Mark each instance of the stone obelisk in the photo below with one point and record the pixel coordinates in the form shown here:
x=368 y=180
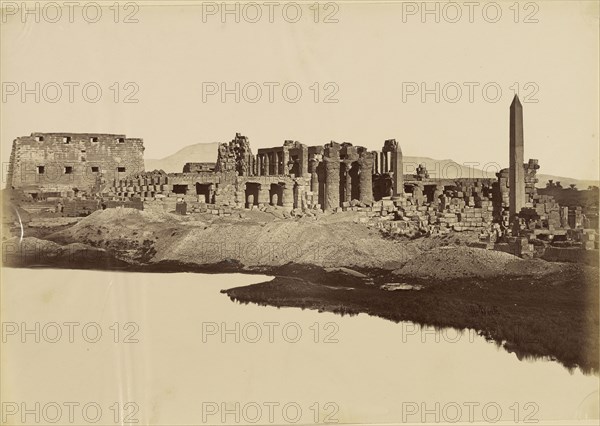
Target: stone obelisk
x=398 y=166
x=516 y=179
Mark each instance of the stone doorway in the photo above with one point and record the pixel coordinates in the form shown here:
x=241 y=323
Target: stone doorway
x=251 y=194
x=276 y=195
x=204 y=189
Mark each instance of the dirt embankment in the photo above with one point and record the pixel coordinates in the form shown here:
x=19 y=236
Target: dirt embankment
x=256 y=240
x=451 y=262
x=262 y=240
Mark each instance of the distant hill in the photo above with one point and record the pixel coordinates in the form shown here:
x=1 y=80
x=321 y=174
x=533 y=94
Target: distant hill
x=446 y=169
x=565 y=181
x=450 y=169
x=197 y=153
x=207 y=152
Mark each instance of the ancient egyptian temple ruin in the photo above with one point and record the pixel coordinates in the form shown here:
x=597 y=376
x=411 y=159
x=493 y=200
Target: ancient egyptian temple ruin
x=297 y=176
x=86 y=172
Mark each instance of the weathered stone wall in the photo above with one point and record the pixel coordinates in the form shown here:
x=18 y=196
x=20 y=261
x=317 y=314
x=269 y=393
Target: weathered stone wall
x=236 y=156
x=60 y=162
x=218 y=189
x=540 y=210
x=586 y=200
x=78 y=208
x=298 y=158
x=198 y=167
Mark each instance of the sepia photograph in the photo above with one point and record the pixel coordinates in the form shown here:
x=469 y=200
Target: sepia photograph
x=365 y=212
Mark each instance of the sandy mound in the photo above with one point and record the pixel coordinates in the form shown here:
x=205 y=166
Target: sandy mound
x=280 y=242
x=129 y=215
x=50 y=222
x=117 y=224
x=459 y=262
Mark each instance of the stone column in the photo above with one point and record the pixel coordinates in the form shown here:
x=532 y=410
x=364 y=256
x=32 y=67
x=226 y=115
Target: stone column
x=283 y=167
x=375 y=156
x=516 y=184
x=298 y=192
x=348 y=182
x=288 y=196
x=273 y=163
x=365 y=176
x=263 y=195
x=503 y=197
x=267 y=164
x=314 y=178
x=280 y=165
x=240 y=195
x=211 y=193
x=332 y=176
x=304 y=161
x=564 y=217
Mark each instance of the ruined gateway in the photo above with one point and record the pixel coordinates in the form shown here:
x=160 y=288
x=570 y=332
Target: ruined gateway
x=87 y=172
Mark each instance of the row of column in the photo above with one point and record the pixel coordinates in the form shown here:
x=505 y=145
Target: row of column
x=271 y=163
x=331 y=187
x=382 y=162
x=264 y=196
x=331 y=197
x=332 y=176
x=390 y=162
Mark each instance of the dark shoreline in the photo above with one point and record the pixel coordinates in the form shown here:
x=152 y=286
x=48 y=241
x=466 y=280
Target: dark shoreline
x=505 y=310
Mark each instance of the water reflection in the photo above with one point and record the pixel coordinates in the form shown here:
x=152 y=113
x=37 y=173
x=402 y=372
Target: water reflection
x=197 y=350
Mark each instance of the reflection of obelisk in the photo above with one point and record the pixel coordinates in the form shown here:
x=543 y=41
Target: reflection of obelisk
x=516 y=180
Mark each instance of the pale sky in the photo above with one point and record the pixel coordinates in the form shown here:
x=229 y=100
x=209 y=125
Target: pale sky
x=370 y=55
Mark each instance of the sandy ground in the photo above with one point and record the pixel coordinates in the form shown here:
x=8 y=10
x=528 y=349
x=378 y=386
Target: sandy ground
x=458 y=262
x=262 y=239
